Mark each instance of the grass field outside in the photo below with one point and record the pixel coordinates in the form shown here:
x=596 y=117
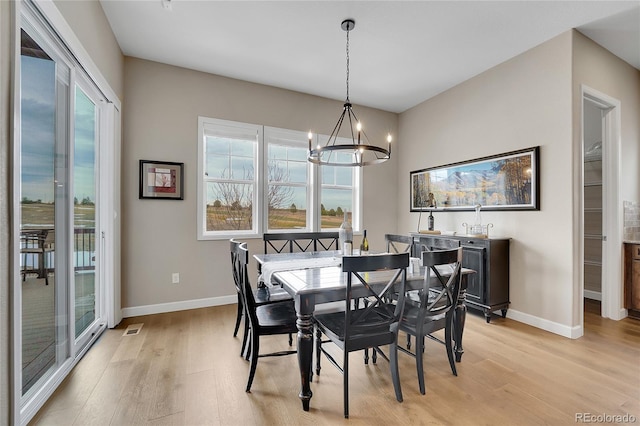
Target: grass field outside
x=222 y=219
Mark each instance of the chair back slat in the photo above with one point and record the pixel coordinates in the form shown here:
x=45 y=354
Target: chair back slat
x=422 y=244
x=240 y=260
x=377 y=312
x=440 y=301
x=399 y=243
x=283 y=242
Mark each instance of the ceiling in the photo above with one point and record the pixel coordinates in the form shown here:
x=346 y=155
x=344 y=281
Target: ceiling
x=401 y=52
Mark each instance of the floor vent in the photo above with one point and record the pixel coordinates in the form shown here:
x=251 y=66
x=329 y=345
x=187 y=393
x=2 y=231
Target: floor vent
x=133 y=329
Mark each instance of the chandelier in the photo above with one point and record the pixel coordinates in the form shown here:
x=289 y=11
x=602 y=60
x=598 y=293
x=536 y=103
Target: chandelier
x=359 y=152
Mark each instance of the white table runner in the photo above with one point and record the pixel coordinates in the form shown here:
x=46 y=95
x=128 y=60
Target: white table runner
x=269 y=268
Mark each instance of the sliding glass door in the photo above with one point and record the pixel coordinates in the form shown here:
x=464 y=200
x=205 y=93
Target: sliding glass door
x=86 y=245
x=59 y=294
x=43 y=112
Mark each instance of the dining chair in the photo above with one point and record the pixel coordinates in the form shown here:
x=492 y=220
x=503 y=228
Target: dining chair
x=362 y=326
x=261 y=296
x=264 y=320
x=398 y=243
x=425 y=243
x=435 y=307
x=290 y=242
x=422 y=244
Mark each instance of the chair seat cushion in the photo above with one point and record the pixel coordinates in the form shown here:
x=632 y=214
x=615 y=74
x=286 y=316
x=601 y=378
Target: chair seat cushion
x=371 y=332
x=264 y=295
x=408 y=324
x=278 y=318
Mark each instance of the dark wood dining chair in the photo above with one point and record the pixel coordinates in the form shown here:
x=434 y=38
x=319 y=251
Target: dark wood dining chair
x=362 y=326
x=435 y=307
x=269 y=319
x=422 y=244
x=261 y=296
x=425 y=243
x=291 y=242
x=398 y=243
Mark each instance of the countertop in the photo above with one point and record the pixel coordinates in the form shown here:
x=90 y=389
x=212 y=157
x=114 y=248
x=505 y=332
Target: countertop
x=631 y=241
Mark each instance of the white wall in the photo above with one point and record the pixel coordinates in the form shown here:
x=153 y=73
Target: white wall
x=162 y=105
x=520 y=103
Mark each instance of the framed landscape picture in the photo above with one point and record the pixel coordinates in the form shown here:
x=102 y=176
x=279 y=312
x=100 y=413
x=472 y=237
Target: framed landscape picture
x=161 y=180
x=507 y=181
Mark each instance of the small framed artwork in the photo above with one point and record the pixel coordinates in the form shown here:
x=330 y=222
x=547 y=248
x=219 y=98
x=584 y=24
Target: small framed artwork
x=161 y=180
x=508 y=181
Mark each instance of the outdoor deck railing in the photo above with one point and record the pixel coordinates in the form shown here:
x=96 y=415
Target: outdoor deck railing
x=84 y=252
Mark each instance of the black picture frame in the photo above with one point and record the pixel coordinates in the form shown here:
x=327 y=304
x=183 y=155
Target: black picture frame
x=161 y=180
x=509 y=181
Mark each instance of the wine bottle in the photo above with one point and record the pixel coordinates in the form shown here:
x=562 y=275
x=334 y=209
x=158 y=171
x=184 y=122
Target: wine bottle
x=345 y=236
x=364 y=246
x=431 y=221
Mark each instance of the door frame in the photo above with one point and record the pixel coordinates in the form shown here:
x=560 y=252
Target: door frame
x=22 y=411
x=611 y=289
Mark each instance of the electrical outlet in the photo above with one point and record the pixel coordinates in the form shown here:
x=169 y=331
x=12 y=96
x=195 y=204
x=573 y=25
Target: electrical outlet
x=175 y=278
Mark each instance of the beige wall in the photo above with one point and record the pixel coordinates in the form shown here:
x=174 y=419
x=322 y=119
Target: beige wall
x=532 y=99
x=520 y=103
x=91 y=27
x=160 y=123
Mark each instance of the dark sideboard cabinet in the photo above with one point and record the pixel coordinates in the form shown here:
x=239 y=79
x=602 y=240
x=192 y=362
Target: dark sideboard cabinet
x=632 y=279
x=488 y=288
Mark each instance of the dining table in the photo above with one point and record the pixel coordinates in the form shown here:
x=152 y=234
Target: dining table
x=315 y=278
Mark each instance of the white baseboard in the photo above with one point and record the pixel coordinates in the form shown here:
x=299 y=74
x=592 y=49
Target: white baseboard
x=593 y=295
x=541 y=323
x=183 y=305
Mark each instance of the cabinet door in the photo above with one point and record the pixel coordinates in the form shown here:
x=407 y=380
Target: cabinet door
x=473 y=258
x=635 y=285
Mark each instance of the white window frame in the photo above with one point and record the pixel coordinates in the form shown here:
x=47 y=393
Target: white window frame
x=356 y=194
x=209 y=126
x=266 y=135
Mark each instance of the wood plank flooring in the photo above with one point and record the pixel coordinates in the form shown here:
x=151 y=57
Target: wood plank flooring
x=184 y=368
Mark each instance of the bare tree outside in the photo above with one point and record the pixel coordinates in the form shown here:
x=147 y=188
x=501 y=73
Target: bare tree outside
x=233 y=205
x=280 y=199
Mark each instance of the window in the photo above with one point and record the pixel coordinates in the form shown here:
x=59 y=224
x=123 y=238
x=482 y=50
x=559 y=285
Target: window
x=338 y=194
x=246 y=169
x=287 y=180
x=229 y=171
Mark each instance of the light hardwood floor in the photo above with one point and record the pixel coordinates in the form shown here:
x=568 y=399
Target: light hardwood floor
x=184 y=368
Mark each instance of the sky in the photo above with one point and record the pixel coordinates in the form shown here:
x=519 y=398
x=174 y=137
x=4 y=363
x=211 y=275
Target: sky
x=38 y=134
x=234 y=158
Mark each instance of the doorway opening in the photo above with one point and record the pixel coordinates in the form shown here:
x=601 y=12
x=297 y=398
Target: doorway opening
x=601 y=284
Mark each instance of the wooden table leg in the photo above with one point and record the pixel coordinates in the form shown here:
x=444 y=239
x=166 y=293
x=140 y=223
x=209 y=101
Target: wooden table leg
x=459 y=320
x=304 y=310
